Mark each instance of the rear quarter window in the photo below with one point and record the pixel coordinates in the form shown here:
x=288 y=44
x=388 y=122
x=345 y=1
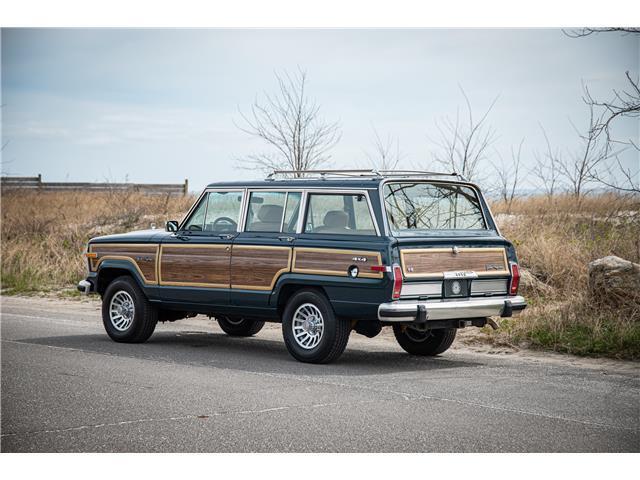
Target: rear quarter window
x=339 y=214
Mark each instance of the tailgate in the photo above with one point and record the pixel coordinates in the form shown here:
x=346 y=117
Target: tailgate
x=433 y=262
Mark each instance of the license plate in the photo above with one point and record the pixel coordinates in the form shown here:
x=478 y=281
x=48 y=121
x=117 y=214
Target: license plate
x=460 y=274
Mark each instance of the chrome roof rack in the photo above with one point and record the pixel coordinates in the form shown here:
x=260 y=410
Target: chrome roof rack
x=366 y=173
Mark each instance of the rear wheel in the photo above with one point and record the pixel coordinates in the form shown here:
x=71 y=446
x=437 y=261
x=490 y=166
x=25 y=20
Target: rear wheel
x=127 y=314
x=422 y=341
x=311 y=330
x=239 y=327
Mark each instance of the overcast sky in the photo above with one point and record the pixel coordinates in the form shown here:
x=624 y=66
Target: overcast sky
x=159 y=105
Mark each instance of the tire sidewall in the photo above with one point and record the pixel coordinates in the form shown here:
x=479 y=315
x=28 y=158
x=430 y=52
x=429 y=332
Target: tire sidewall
x=127 y=285
x=244 y=327
x=439 y=341
x=320 y=351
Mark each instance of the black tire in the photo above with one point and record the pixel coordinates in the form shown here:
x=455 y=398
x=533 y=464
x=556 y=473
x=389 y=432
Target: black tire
x=425 y=343
x=239 y=327
x=145 y=315
x=335 y=331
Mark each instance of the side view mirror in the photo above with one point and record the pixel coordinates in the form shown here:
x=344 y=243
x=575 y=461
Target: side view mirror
x=171 y=226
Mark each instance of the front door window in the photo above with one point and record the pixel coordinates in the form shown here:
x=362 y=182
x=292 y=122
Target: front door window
x=223 y=212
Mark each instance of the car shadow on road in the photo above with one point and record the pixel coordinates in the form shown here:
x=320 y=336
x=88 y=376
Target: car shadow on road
x=253 y=354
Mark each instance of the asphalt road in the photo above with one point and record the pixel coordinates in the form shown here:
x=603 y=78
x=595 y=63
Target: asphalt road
x=67 y=387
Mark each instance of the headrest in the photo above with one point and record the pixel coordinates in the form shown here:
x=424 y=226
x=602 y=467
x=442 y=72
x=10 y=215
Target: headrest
x=270 y=213
x=336 y=219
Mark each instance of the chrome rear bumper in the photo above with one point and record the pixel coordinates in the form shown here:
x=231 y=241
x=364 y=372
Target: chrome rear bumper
x=421 y=311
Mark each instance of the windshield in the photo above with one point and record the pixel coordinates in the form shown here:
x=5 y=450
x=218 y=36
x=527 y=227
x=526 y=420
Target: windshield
x=414 y=208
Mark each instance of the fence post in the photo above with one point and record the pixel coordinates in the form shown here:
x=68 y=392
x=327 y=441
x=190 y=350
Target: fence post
x=39 y=181
x=186 y=186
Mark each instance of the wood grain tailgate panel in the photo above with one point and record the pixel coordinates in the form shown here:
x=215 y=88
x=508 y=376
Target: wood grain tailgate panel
x=258 y=267
x=328 y=261
x=143 y=256
x=431 y=262
x=195 y=265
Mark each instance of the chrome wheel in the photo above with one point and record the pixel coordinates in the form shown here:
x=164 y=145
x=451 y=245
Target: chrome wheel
x=121 y=310
x=307 y=326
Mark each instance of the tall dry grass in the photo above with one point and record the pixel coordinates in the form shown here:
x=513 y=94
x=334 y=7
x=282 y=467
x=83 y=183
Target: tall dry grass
x=44 y=233
x=556 y=238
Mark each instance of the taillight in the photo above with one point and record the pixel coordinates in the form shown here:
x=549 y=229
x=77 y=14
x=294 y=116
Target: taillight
x=397 y=282
x=515 y=278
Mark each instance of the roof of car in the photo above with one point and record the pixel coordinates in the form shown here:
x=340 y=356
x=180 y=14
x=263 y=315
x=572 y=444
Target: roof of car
x=359 y=181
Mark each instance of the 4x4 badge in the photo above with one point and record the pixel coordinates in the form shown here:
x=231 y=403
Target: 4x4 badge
x=359 y=259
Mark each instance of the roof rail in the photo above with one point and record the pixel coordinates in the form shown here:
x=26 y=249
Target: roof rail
x=323 y=173
x=364 y=173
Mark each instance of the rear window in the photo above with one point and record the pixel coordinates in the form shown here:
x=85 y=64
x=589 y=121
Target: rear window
x=413 y=208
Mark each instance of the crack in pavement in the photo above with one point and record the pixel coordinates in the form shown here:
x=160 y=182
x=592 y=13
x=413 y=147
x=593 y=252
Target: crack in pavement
x=407 y=396
x=178 y=418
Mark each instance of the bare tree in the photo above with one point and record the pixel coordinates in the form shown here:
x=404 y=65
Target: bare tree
x=578 y=169
x=386 y=153
x=464 y=142
x=624 y=103
x=546 y=168
x=291 y=124
x=508 y=175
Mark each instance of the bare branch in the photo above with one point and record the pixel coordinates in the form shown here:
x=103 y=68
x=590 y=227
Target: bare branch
x=463 y=145
x=585 y=32
x=508 y=175
x=386 y=153
x=290 y=123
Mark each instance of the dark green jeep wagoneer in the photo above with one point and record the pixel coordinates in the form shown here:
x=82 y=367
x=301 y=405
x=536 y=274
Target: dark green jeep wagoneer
x=326 y=254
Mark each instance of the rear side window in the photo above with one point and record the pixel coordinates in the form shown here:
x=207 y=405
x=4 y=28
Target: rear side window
x=339 y=214
x=273 y=212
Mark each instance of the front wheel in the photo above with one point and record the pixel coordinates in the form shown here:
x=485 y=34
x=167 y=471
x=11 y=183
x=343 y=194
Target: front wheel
x=423 y=341
x=239 y=327
x=127 y=314
x=311 y=330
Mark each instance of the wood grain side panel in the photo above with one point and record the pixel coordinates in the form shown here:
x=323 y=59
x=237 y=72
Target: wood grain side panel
x=143 y=256
x=258 y=268
x=432 y=262
x=328 y=261
x=195 y=265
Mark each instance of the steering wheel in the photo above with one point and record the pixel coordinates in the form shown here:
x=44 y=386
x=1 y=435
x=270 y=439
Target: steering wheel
x=227 y=224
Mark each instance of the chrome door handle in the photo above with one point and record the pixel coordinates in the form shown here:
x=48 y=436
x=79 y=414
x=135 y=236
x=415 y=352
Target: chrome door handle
x=286 y=239
x=226 y=236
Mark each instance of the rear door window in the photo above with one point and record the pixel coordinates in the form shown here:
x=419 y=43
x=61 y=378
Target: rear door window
x=273 y=212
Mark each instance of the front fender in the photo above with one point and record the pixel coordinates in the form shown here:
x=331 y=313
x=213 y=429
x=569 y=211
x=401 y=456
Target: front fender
x=108 y=266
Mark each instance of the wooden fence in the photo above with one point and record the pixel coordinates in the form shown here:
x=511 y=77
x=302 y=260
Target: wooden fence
x=36 y=183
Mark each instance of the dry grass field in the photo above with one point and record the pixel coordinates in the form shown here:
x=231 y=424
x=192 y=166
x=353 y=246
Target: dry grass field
x=44 y=235
x=556 y=238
